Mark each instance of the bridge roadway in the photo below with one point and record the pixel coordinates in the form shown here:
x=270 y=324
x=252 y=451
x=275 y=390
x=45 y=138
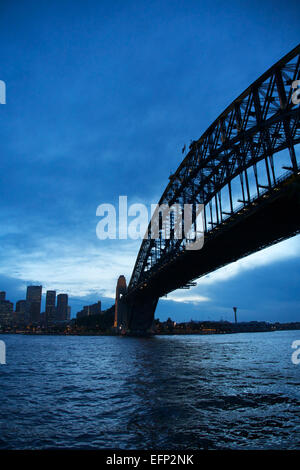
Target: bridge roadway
x=258 y=124
x=273 y=217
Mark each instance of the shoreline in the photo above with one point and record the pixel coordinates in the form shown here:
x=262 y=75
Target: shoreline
x=151 y=335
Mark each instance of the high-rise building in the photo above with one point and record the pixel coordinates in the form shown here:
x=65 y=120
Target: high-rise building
x=88 y=310
x=6 y=312
x=69 y=312
x=21 y=306
x=62 y=307
x=20 y=311
x=2 y=295
x=95 y=309
x=50 y=310
x=33 y=303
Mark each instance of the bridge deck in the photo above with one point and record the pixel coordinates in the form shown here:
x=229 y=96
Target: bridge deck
x=272 y=217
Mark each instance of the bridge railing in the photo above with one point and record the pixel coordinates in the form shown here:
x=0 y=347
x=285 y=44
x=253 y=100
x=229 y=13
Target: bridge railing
x=263 y=192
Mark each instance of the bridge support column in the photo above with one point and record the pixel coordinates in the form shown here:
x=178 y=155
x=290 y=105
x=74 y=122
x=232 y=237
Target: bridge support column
x=134 y=317
x=121 y=311
x=141 y=316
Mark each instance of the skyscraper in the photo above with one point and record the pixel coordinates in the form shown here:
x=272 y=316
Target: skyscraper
x=2 y=295
x=50 y=310
x=6 y=312
x=62 y=307
x=33 y=303
x=20 y=311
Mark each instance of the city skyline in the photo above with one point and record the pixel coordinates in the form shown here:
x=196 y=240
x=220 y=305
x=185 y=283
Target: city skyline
x=29 y=310
x=111 y=115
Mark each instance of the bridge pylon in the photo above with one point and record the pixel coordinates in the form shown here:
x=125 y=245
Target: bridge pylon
x=121 y=319
x=133 y=318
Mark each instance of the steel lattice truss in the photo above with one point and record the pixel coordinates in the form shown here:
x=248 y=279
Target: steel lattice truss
x=260 y=122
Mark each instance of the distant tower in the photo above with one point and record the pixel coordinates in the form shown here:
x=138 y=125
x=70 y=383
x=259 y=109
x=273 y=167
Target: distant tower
x=120 y=309
x=6 y=311
x=20 y=311
x=2 y=295
x=33 y=303
x=50 y=311
x=235 y=318
x=62 y=307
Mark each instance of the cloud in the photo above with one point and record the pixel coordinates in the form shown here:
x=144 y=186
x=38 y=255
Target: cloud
x=203 y=292
x=77 y=268
x=281 y=251
x=82 y=268
x=186 y=298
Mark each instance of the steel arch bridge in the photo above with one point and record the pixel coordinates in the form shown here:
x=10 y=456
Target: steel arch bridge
x=261 y=122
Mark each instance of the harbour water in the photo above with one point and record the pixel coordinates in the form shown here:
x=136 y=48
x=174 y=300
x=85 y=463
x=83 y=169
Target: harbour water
x=238 y=391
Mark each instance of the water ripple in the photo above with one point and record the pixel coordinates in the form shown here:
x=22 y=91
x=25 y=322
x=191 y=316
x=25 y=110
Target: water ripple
x=188 y=392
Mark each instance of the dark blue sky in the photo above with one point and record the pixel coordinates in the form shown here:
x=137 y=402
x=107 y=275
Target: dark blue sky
x=101 y=97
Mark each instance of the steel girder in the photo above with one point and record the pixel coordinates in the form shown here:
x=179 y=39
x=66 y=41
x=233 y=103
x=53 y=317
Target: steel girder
x=262 y=121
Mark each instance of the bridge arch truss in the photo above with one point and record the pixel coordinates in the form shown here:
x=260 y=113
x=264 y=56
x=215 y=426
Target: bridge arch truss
x=261 y=122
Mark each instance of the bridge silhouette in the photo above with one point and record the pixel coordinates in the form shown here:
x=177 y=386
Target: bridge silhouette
x=237 y=154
